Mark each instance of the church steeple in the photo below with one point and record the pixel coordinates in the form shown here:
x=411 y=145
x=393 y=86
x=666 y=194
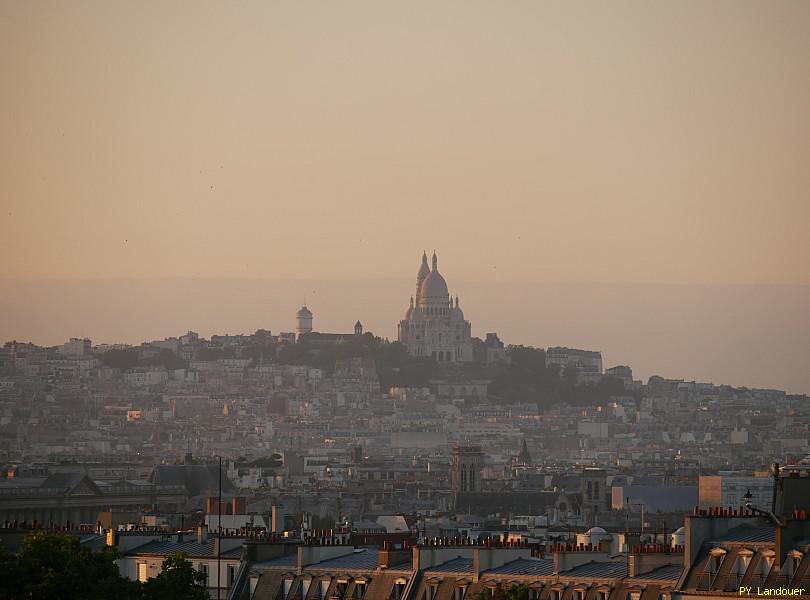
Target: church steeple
x=424 y=271
x=524 y=456
x=435 y=261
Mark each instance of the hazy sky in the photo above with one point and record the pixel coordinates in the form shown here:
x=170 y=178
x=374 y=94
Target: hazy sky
x=527 y=141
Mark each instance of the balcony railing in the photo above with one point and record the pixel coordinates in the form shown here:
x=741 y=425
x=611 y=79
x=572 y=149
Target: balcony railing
x=704 y=583
x=731 y=582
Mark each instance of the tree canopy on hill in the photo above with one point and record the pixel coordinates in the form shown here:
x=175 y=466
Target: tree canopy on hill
x=525 y=379
x=129 y=358
x=395 y=367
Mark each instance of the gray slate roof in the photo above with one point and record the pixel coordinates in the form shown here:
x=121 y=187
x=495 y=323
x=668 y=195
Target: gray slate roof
x=665 y=573
x=606 y=570
x=748 y=534
x=454 y=566
x=365 y=559
x=288 y=561
x=197 y=479
x=526 y=566
x=191 y=547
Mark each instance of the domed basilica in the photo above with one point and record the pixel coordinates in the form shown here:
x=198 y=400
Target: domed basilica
x=434 y=323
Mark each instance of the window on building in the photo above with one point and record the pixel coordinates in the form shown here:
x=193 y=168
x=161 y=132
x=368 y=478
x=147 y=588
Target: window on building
x=359 y=590
x=398 y=589
x=712 y=568
x=142 y=572
x=741 y=566
x=231 y=574
x=789 y=568
x=794 y=563
x=633 y=595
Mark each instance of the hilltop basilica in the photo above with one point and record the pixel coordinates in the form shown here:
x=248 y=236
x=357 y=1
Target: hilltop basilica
x=434 y=323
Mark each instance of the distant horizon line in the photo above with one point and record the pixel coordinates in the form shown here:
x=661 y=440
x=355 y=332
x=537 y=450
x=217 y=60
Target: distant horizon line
x=542 y=348
x=398 y=279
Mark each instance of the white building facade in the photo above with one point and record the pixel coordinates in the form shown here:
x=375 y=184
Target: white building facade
x=434 y=323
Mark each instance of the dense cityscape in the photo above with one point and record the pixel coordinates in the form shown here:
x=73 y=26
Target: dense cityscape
x=347 y=440
x=384 y=300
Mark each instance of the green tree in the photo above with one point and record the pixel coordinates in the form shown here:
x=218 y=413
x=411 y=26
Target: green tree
x=124 y=359
x=517 y=592
x=166 y=358
x=206 y=354
x=178 y=580
x=55 y=566
x=512 y=592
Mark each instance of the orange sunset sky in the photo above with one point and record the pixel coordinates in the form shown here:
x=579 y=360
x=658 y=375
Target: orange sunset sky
x=655 y=154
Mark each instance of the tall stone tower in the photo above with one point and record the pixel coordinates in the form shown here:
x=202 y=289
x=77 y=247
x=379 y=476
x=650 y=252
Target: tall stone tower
x=595 y=496
x=303 y=321
x=468 y=462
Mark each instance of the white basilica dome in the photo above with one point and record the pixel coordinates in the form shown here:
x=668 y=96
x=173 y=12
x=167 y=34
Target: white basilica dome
x=434 y=287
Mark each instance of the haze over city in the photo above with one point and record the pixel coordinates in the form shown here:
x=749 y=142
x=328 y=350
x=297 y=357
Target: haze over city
x=647 y=151
x=376 y=300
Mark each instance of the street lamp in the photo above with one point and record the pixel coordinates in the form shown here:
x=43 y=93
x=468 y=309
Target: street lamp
x=219 y=531
x=748 y=499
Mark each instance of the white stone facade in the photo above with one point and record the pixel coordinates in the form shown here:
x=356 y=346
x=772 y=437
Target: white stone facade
x=434 y=324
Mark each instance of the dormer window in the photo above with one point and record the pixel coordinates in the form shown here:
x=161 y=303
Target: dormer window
x=398 y=588
x=766 y=564
x=792 y=562
x=305 y=587
x=711 y=568
x=715 y=560
x=740 y=568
